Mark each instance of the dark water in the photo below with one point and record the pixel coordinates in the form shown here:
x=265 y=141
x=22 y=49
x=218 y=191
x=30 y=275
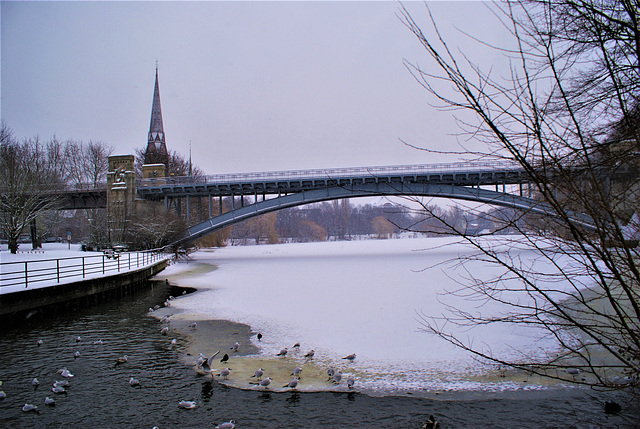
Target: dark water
x=100 y=396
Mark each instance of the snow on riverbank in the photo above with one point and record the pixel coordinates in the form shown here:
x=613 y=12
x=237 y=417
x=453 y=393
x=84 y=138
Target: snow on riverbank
x=359 y=297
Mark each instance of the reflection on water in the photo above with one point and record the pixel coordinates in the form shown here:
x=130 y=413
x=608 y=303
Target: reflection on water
x=99 y=394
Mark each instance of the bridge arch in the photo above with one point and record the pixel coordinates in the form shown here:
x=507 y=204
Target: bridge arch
x=475 y=194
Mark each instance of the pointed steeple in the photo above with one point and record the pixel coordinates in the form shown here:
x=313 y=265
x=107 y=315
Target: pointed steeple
x=156 y=152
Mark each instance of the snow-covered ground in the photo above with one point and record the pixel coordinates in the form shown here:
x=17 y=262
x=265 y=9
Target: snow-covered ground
x=362 y=297
x=44 y=264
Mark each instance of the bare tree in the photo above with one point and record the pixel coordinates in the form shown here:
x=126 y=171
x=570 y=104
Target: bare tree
x=566 y=113
x=27 y=182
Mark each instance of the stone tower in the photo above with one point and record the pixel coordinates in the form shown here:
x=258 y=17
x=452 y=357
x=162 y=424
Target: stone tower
x=156 y=152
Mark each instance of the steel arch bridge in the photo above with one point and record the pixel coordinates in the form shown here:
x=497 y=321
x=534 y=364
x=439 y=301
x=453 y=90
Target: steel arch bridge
x=463 y=181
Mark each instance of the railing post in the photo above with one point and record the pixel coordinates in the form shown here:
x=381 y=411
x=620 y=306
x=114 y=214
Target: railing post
x=129 y=256
x=83 y=267
x=118 y=264
x=58 y=269
x=26 y=276
x=103 y=263
x=138 y=259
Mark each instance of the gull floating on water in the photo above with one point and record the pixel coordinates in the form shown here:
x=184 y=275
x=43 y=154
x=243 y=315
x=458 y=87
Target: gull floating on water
x=39 y=343
x=35 y=382
x=29 y=407
x=78 y=339
x=174 y=342
x=98 y=342
x=165 y=330
x=76 y=354
x=431 y=423
x=122 y=359
x=350 y=357
x=2 y=394
x=231 y=424
x=65 y=373
x=133 y=382
x=62 y=383
x=58 y=389
x=310 y=354
x=50 y=402
x=187 y=405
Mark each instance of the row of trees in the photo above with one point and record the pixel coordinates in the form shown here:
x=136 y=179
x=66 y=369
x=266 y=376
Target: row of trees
x=31 y=171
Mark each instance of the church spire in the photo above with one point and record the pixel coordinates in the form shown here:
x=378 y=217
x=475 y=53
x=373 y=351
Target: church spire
x=156 y=152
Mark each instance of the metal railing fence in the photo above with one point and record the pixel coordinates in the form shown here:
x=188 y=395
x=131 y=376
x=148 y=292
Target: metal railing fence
x=28 y=273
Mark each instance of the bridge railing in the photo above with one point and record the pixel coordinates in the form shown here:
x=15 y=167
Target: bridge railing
x=336 y=173
x=54 y=271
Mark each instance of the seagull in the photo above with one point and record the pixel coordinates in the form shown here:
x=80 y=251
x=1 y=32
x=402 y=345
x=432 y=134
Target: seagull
x=310 y=354
x=265 y=382
x=296 y=372
x=76 y=354
x=165 y=330
x=258 y=374
x=502 y=370
x=573 y=372
x=98 y=342
x=350 y=357
x=2 y=394
x=351 y=381
x=292 y=384
x=431 y=423
x=283 y=352
x=35 y=383
x=155 y=307
x=330 y=372
x=337 y=377
x=50 y=402
x=29 y=407
x=235 y=346
x=206 y=365
x=225 y=373
x=165 y=319
x=78 y=339
x=39 y=343
x=62 y=383
x=259 y=336
x=224 y=358
x=174 y=342
x=65 y=373
x=133 y=382
x=187 y=405
x=122 y=359
x=194 y=325
x=58 y=389
x=296 y=346
x=231 y=424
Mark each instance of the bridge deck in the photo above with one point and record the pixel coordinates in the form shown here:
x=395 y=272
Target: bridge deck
x=461 y=174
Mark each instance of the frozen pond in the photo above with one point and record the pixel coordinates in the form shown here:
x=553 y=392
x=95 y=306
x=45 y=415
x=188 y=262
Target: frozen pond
x=360 y=297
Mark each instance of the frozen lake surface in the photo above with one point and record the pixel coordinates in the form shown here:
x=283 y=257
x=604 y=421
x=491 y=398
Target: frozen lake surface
x=362 y=297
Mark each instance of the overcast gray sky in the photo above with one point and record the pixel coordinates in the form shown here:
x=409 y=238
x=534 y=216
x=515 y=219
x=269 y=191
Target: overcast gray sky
x=254 y=86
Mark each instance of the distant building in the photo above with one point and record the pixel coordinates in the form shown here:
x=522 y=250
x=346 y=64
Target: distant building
x=156 y=152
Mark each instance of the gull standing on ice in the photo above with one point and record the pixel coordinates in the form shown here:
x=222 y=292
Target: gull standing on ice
x=258 y=374
x=351 y=381
x=296 y=346
x=265 y=382
x=225 y=373
x=292 y=384
x=296 y=372
x=283 y=352
x=194 y=325
x=310 y=354
x=350 y=357
x=224 y=358
x=235 y=346
x=337 y=377
x=330 y=372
